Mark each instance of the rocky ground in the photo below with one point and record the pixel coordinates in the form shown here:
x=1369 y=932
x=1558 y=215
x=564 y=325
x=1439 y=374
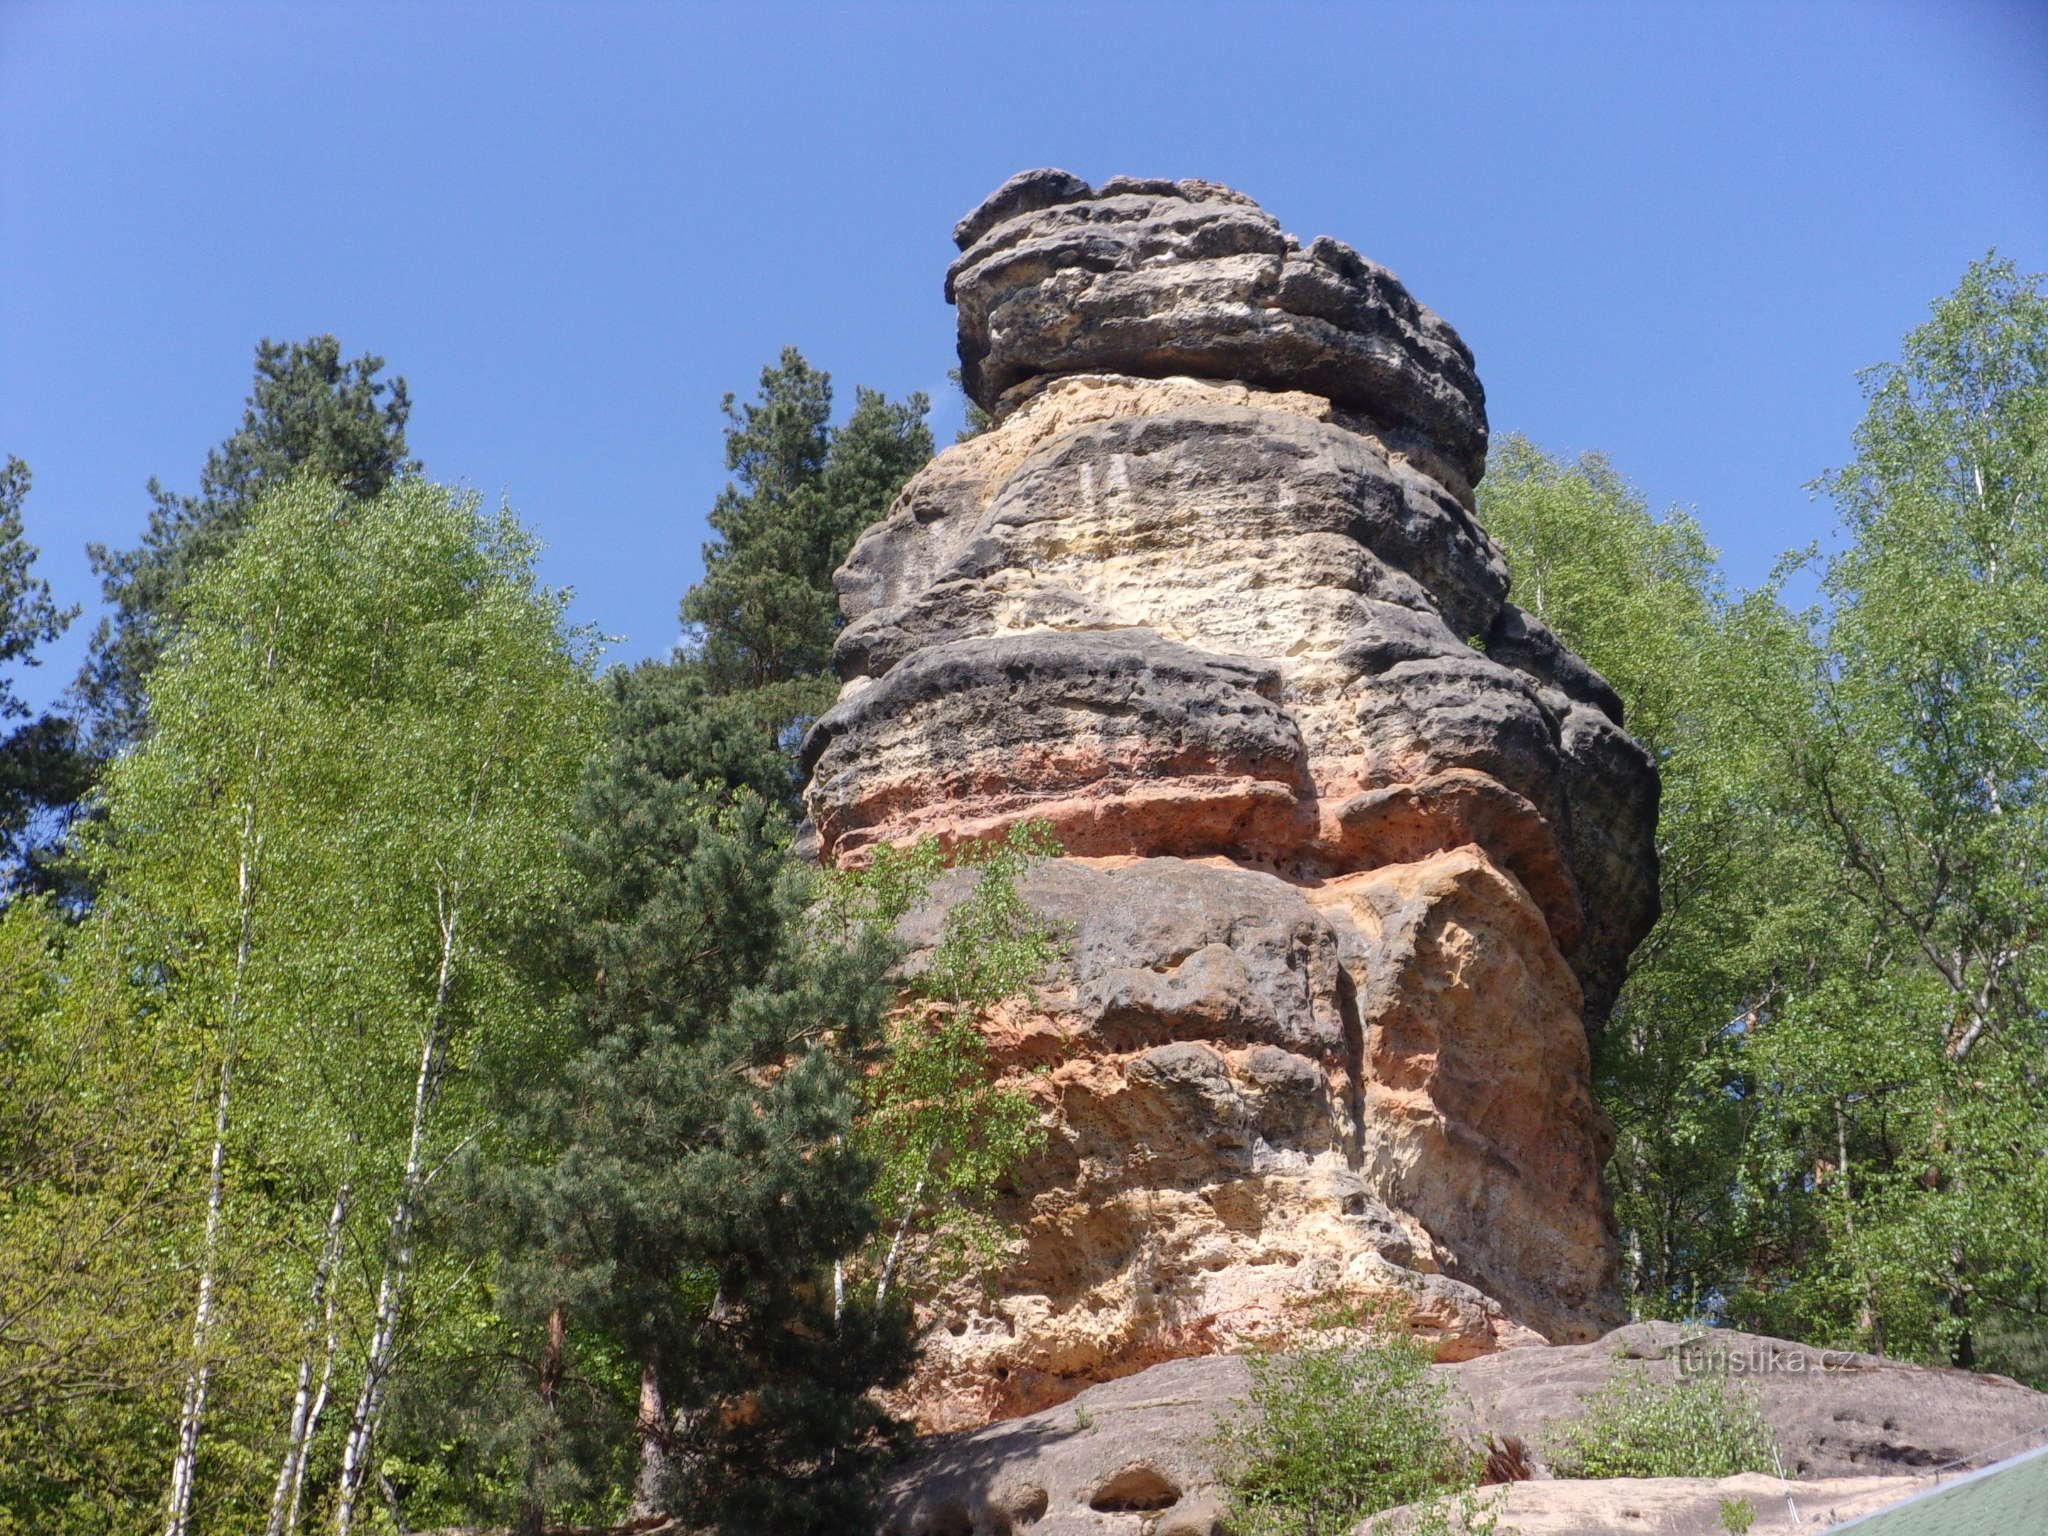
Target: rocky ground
x=1135 y=1456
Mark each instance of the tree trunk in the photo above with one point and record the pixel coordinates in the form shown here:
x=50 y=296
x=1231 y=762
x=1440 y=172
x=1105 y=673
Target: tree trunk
x=1869 y=1324
x=311 y=1397
x=398 y=1242
x=548 y=1381
x=903 y=1227
x=651 y=1487
x=1964 y=1354
x=199 y=1375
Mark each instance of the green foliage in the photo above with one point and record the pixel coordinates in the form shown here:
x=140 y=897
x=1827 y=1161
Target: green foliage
x=1638 y=1426
x=1339 y=1429
x=944 y=1130
x=1824 y=1066
x=1914 y=1137
x=1737 y=1515
x=1712 y=686
x=711 y=739
x=1464 y=1512
x=41 y=770
x=316 y=868
x=1927 y=761
x=91 y=1127
x=307 y=411
x=674 y=1193
x=763 y=619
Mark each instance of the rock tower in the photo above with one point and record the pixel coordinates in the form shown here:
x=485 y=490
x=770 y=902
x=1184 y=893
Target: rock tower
x=1355 y=849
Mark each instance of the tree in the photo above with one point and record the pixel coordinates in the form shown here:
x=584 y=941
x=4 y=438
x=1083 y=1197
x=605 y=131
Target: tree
x=763 y=619
x=40 y=769
x=1825 y=1064
x=945 y=1131
x=1924 y=776
x=307 y=410
x=365 y=737
x=973 y=419
x=1935 y=711
x=1711 y=687
x=91 y=1131
x=688 y=1176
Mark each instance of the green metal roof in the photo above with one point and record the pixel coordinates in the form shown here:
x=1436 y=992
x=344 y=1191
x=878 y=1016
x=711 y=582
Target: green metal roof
x=2008 y=1498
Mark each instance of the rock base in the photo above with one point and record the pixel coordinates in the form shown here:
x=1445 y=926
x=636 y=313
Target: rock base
x=1137 y=1455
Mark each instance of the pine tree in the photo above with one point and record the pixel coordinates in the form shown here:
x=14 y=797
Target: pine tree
x=41 y=771
x=307 y=410
x=690 y=1176
x=764 y=617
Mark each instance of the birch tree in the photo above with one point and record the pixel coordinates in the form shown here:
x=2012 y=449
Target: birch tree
x=363 y=744
x=1925 y=772
x=193 y=823
x=481 y=716
x=945 y=1129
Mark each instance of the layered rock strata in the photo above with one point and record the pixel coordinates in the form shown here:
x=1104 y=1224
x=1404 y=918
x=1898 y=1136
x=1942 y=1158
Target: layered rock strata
x=1355 y=848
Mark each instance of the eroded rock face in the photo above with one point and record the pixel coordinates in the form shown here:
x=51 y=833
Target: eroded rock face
x=1157 y=278
x=1355 y=848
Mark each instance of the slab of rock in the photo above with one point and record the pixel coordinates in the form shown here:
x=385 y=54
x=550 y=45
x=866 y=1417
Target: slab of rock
x=1836 y=1413
x=1154 y=278
x=1239 y=1131
x=1341 y=600
x=1856 y=1432
x=1355 y=849
x=1669 y=1506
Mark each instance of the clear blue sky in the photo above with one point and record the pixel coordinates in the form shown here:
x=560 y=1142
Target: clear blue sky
x=1670 y=232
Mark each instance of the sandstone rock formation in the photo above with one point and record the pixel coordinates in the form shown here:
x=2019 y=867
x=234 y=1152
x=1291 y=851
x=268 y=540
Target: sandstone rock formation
x=1355 y=848
x=1137 y=1455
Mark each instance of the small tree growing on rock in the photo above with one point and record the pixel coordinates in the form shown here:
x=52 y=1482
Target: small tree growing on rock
x=944 y=1130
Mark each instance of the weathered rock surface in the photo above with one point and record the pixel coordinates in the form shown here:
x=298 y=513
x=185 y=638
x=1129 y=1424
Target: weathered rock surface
x=1238 y=1128
x=1671 y=1506
x=1324 y=699
x=1153 y=278
x=1355 y=848
x=1854 y=1430
x=1836 y=1413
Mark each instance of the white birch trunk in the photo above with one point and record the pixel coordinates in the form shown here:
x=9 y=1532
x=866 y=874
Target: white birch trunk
x=199 y=1374
x=291 y=1519
x=398 y=1254
x=310 y=1397
x=398 y=1243
x=903 y=1227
